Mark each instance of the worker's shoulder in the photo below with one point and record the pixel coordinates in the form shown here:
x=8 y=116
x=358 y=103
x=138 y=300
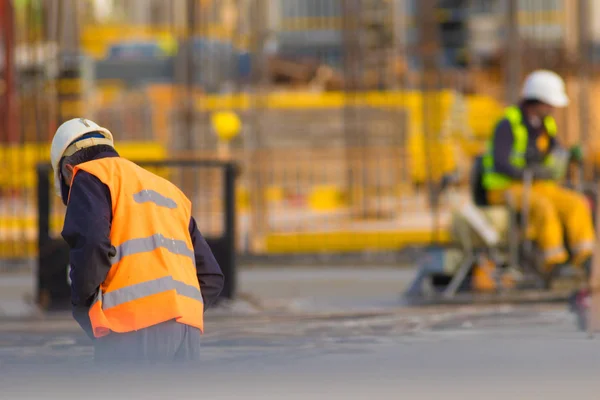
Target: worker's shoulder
x=503 y=128
x=128 y=166
x=85 y=178
x=126 y=163
x=149 y=175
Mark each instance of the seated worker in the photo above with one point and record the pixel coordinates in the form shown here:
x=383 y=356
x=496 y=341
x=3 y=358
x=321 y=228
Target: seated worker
x=526 y=139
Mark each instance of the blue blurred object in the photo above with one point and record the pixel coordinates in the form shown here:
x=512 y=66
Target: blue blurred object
x=219 y=61
x=244 y=64
x=129 y=50
x=325 y=45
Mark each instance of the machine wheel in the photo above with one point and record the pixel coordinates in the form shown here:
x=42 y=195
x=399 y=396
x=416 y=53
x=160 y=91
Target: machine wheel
x=441 y=281
x=532 y=262
x=582 y=321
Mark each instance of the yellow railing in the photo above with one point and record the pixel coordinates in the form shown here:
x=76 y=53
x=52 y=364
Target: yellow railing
x=97 y=39
x=476 y=120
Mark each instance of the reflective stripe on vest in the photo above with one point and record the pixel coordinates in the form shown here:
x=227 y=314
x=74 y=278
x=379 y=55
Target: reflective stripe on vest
x=493 y=180
x=150 y=243
x=152 y=278
x=145 y=289
x=154 y=197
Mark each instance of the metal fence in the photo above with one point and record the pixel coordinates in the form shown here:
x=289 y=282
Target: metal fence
x=214 y=205
x=351 y=110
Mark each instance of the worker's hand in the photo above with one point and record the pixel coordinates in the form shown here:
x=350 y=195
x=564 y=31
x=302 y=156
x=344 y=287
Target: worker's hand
x=542 y=173
x=576 y=153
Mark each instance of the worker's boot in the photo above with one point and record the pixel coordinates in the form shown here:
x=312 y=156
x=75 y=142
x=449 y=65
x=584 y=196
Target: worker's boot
x=579 y=304
x=549 y=273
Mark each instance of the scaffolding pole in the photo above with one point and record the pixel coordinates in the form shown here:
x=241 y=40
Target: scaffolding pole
x=585 y=54
x=428 y=49
x=513 y=50
x=7 y=89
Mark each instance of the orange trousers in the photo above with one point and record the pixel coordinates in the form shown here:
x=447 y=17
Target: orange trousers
x=552 y=208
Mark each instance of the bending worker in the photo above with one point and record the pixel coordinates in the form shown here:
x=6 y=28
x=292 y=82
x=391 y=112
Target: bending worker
x=526 y=138
x=141 y=272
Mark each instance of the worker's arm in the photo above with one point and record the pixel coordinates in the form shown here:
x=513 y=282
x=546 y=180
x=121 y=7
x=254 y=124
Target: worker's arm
x=208 y=271
x=554 y=144
x=548 y=155
x=86 y=230
x=503 y=145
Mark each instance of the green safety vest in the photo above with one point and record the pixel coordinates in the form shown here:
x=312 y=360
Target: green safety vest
x=493 y=180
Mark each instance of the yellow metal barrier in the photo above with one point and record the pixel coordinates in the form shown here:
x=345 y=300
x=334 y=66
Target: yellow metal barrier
x=430 y=159
x=18 y=171
x=350 y=241
x=97 y=39
x=481 y=113
x=411 y=99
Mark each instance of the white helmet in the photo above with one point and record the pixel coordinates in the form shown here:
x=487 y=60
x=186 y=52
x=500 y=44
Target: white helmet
x=63 y=142
x=547 y=87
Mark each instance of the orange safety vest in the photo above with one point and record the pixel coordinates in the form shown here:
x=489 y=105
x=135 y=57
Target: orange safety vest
x=153 y=274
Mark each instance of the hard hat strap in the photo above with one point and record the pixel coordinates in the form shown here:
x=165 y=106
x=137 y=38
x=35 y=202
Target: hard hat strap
x=82 y=144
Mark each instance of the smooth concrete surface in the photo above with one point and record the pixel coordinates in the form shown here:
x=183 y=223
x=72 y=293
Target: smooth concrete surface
x=494 y=352
x=527 y=355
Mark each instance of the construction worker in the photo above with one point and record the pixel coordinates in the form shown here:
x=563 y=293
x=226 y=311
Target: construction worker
x=525 y=138
x=142 y=274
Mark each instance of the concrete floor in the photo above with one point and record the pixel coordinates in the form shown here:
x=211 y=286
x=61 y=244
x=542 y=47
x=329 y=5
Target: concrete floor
x=281 y=348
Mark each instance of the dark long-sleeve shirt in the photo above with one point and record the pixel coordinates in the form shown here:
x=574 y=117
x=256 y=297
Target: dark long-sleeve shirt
x=87 y=229
x=503 y=146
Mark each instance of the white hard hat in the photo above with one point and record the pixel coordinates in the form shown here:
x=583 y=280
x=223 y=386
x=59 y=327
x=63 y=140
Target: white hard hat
x=64 y=138
x=547 y=87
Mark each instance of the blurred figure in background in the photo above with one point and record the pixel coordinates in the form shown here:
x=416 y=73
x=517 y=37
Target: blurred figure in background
x=141 y=272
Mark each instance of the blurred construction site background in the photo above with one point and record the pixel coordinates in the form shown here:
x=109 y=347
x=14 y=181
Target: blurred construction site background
x=342 y=114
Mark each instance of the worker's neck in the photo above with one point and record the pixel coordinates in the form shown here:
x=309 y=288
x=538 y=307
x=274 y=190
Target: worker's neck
x=533 y=118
